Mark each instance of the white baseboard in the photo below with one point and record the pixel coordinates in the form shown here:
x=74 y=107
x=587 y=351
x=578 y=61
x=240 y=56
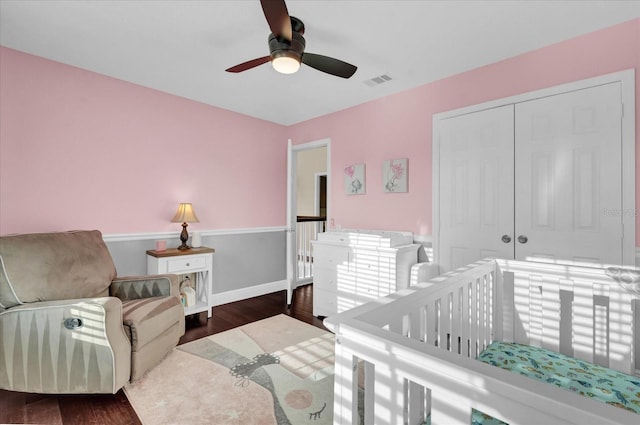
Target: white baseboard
x=250 y=292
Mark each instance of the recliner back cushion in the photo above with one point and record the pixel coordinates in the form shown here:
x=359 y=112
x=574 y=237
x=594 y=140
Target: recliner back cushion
x=54 y=266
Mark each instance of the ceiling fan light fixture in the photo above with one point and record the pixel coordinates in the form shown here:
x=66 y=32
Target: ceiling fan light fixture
x=286 y=46
x=285 y=62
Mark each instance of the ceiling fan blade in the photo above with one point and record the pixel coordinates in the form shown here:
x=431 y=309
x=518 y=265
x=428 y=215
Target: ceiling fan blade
x=278 y=18
x=329 y=65
x=249 y=64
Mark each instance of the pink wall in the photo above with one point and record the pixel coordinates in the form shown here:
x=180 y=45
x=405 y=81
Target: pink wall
x=81 y=150
x=400 y=126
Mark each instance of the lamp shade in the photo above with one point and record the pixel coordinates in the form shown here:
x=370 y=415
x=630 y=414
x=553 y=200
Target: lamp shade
x=185 y=214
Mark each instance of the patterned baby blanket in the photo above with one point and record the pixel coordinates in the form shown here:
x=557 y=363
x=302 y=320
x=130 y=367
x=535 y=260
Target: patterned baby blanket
x=587 y=379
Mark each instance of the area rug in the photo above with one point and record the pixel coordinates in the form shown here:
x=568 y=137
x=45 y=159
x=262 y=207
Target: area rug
x=275 y=371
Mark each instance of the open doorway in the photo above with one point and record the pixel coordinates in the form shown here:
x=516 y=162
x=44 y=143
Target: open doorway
x=307 y=207
x=321 y=195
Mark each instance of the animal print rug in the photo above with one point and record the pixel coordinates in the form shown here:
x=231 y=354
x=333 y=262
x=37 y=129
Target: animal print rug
x=275 y=371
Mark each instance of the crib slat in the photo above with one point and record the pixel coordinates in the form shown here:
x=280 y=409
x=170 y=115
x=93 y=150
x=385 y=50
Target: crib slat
x=422 y=324
x=482 y=320
x=565 y=327
x=415 y=401
x=535 y=310
x=474 y=318
x=583 y=320
x=345 y=410
x=621 y=336
x=388 y=397
x=551 y=318
x=413 y=324
x=601 y=310
x=415 y=396
x=489 y=309
x=521 y=304
x=369 y=371
x=396 y=325
x=506 y=306
x=445 y=408
x=455 y=321
x=464 y=317
x=444 y=322
x=430 y=326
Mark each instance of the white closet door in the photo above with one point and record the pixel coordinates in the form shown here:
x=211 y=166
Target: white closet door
x=476 y=187
x=568 y=181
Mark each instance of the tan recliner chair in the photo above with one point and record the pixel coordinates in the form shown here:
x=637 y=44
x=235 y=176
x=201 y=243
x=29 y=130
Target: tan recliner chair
x=69 y=325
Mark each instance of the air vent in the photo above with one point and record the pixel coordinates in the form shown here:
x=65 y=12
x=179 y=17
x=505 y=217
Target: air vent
x=376 y=81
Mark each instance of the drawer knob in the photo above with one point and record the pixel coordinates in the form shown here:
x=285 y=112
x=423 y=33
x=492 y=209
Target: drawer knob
x=188 y=264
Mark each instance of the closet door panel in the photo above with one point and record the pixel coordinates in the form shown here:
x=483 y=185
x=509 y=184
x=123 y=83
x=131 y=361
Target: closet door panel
x=568 y=191
x=476 y=187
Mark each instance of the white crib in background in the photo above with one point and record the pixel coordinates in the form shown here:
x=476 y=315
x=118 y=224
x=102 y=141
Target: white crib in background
x=418 y=346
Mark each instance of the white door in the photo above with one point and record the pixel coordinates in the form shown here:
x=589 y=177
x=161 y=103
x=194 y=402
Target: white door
x=568 y=176
x=564 y=154
x=291 y=242
x=476 y=187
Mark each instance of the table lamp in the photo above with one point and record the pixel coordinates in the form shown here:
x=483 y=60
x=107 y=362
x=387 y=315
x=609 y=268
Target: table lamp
x=185 y=215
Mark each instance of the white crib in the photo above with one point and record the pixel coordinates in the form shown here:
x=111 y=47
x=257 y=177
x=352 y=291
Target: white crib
x=413 y=352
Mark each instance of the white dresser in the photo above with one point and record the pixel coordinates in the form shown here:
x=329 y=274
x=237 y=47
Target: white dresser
x=353 y=267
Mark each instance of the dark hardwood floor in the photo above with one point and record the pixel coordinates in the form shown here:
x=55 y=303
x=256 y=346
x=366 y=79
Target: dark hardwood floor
x=108 y=409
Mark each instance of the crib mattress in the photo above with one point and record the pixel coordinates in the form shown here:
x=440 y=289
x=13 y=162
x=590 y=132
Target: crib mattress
x=587 y=379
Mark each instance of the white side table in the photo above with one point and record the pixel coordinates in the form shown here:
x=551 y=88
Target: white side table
x=193 y=260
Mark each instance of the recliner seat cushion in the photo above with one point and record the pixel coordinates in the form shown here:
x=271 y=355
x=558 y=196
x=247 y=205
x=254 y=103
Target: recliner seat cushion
x=152 y=354
x=154 y=326
x=54 y=266
x=146 y=319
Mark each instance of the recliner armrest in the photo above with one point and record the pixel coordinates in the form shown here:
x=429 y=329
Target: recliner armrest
x=135 y=287
x=65 y=346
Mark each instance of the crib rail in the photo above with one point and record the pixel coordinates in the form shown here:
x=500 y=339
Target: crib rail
x=412 y=352
x=577 y=311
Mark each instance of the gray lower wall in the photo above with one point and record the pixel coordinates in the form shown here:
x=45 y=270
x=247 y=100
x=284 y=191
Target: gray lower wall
x=241 y=260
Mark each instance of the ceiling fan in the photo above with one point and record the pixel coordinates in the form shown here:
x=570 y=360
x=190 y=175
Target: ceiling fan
x=286 y=46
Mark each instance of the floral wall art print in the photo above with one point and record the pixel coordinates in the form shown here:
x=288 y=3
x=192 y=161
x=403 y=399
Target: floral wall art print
x=354 y=179
x=394 y=175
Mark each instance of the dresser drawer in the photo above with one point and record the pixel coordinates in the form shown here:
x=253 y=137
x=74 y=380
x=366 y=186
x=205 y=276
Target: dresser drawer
x=330 y=255
x=182 y=265
x=324 y=303
x=324 y=278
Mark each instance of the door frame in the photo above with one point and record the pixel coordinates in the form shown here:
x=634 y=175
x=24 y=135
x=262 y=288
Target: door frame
x=628 y=212
x=291 y=256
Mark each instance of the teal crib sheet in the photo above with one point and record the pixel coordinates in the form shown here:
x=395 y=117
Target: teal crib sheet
x=587 y=379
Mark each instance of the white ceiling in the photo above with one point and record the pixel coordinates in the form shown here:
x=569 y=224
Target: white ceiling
x=183 y=47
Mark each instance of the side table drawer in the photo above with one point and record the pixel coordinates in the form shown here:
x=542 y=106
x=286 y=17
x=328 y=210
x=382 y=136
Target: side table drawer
x=180 y=265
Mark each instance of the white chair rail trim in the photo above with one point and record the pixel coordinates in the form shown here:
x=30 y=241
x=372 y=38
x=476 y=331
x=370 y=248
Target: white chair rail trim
x=121 y=237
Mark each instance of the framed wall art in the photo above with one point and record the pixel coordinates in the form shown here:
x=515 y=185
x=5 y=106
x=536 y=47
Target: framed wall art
x=395 y=175
x=354 y=182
